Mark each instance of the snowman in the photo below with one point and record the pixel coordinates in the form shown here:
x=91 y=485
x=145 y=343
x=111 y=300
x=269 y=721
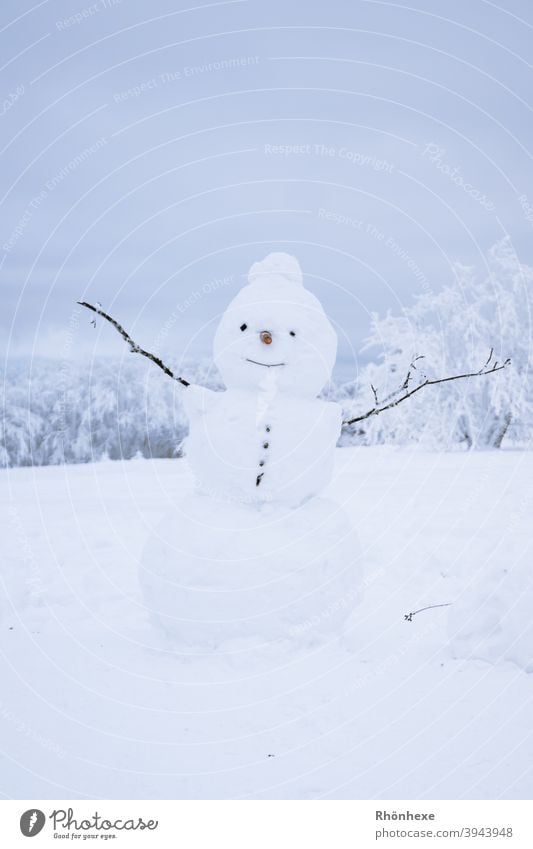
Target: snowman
x=254 y=556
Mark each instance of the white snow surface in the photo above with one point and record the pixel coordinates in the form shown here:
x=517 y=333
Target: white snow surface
x=97 y=702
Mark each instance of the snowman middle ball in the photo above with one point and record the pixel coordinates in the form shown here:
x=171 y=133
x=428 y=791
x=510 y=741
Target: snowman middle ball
x=253 y=556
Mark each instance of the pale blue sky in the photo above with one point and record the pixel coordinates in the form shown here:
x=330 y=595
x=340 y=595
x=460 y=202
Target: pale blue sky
x=145 y=155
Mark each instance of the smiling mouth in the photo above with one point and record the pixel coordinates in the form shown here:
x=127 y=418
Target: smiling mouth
x=266 y=365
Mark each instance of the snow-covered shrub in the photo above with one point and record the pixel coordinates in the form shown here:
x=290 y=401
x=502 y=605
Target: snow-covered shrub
x=56 y=412
x=452 y=331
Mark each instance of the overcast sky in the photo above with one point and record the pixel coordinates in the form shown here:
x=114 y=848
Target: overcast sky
x=150 y=152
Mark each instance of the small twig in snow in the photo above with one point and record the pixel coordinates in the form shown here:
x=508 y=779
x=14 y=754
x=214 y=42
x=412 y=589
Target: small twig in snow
x=408 y=617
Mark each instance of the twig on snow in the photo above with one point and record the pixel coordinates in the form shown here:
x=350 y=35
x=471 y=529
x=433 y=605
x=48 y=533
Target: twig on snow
x=408 y=617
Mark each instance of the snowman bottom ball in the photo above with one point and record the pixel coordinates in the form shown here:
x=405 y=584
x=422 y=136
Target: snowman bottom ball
x=231 y=576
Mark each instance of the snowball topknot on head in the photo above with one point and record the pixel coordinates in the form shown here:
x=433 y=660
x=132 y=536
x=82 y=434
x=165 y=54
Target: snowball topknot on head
x=275 y=266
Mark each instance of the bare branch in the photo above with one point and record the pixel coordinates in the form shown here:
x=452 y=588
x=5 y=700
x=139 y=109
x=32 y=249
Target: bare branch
x=405 y=384
x=427 y=382
x=134 y=348
x=415 y=360
x=489 y=358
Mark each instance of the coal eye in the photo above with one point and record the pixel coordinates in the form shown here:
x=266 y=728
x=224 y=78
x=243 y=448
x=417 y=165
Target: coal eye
x=243 y=327
x=292 y=333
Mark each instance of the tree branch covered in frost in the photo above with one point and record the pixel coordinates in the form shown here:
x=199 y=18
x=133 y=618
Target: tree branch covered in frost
x=134 y=347
x=486 y=369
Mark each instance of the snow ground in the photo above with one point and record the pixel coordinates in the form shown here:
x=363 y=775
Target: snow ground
x=94 y=704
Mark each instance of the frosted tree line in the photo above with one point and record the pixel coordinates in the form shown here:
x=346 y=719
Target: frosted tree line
x=64 y=413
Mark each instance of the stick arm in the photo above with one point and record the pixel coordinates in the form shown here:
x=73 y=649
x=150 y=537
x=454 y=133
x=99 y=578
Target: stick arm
x=134 y=347
x=487 y=369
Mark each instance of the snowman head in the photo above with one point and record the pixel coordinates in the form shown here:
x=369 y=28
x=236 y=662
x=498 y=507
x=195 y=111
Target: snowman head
x=275 y=330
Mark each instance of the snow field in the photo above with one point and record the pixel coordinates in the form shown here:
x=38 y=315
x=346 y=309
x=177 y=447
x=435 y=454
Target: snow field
x=96 y=702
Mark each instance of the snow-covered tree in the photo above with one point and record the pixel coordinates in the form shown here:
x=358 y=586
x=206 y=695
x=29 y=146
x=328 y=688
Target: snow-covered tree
x=473 y=320
x=63 y=413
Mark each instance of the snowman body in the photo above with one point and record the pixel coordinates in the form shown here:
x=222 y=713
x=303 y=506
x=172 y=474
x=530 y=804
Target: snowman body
x=255 y=556
x=261 y=447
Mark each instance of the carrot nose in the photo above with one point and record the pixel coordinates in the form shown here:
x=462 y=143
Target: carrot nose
x=266 y=337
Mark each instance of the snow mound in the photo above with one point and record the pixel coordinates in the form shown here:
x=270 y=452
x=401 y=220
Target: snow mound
x=493 y=619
